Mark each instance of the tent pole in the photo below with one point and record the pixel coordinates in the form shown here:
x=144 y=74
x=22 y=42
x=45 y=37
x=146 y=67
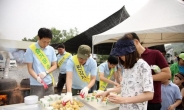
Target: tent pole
x=112 y=47
x=92 y=48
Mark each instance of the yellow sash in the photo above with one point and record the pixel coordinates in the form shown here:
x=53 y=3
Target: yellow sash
x=42 y=58
x=103 y=84
x=80 y=70
x=60 y=62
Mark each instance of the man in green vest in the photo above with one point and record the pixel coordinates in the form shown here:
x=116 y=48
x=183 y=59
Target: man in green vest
x=62 y=59
x=178 y=66
x=41 y=62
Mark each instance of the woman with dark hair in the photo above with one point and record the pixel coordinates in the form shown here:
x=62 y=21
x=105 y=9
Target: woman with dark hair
x=137 y=84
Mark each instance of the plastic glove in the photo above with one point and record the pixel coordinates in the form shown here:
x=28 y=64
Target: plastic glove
x=155 y=68
x=84 y=91
x=39 y=79
x=42 y=74
x=67 y=97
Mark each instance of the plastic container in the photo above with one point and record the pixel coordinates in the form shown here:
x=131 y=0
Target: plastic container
x=33 y=99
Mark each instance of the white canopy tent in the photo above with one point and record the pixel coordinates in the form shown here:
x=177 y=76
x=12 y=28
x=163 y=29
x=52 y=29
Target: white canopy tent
x=158 y=22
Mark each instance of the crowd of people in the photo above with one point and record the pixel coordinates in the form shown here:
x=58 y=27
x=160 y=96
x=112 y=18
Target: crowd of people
x=139 y=86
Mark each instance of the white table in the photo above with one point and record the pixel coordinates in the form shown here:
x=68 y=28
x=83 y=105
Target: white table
x=21 y=106
x=90 y=105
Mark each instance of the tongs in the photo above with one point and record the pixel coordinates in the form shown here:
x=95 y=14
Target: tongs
x=82 y=95
x=64 y=103
x=44 y=84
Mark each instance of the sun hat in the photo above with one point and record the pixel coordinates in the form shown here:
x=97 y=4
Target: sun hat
x=123 y=47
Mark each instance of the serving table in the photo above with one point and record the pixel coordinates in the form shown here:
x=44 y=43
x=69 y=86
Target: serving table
x=88 y=105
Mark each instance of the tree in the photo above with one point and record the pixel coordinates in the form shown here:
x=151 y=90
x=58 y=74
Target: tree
x=34 y=39
x=102 y=58
x=58 y=36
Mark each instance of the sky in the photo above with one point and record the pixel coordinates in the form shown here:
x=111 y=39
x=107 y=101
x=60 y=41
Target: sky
x=23 y=18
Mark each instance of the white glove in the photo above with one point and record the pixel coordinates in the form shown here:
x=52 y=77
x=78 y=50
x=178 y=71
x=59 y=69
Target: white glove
x=39 y=79
x=68 y=97
x=42 y=74
x=84 y=91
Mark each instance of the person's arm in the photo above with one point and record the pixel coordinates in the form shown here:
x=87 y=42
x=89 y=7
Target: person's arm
x=92 y=81
x=53 y=67
x=53 y=62
x=69 y=74
x=165 y=73
x=182 y=92
x=177 y=97
x=117 y=90
x=137 y=99
x=117 y=77
x=69 y=81
x=103 y=78
x=31 y=71
x=93 y=73
x=106 y=93
x=173 y=106
x=28 y=59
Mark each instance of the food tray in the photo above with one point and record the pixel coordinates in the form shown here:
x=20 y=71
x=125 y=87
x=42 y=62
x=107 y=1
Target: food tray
x=97 y=106
x=85 y=107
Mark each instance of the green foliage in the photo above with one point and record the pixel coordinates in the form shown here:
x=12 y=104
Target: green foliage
x=102 y=58
x=34 y=39
x=58 y=36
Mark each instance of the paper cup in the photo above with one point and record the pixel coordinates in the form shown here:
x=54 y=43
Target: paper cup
x=45 y=103
x=47 y=98
x=56 y=97
x=99 y=100
x=88 y=99
x=62 y=95
x=52 y=97
x=42 y=100
x=104 y=103
x=59 y=97
x=92 y=98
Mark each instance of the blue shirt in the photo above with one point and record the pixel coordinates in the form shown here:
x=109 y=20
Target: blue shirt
x=90 y=67
x=104 y=68
x=181 y=69
x=170 y=93
x=30 y=57
x=62 y=68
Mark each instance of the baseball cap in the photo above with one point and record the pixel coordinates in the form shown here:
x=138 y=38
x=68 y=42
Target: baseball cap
x=123 y=47
x=181 y=56
x=84 y=51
